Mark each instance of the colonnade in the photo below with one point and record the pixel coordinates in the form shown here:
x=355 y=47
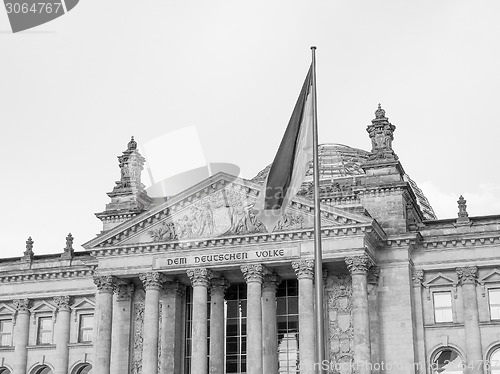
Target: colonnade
x=262 y=344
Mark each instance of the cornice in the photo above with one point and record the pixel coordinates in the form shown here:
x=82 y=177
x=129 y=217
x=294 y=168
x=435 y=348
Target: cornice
x=41 y=275
x=372 y=228
x=404 y=240
x=464 y=241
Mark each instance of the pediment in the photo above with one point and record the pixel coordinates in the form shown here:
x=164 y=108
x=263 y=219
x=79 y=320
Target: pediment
x=6 y=309
x=222 y=205
x=83 y=304
x=43 y=306
x=439 y=280
x=492 y=277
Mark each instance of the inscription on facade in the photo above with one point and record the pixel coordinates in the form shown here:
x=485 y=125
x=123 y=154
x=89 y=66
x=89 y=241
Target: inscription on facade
x=235 y=258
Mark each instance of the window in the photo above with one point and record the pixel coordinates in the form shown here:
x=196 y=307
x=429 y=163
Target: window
x=442 y=307
x=5 y=332
x=287 y=297
x=44 y=330
x=494 y=362
x=86 y=329
x=447 y=361
x=494 y=297
x=42 y=369
x=4 y=371
x=82 y=369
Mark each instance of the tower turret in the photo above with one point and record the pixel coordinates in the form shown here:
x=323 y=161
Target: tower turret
x=128 y=197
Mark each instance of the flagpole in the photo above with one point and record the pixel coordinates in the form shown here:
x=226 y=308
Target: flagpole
x=318 y=261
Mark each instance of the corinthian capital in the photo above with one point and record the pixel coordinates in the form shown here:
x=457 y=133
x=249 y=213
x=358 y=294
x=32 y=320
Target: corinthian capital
x=467 y=274
x=304 y=269
x=21 y=305
x=199 y=276
x=62 y=302
x=104 y=283
x=417 y=277
x=124 y=291
x=270 y=282
x=358 y=264
x=152 y=280
x=253 y=273
x=218 y=286
x=174 y=289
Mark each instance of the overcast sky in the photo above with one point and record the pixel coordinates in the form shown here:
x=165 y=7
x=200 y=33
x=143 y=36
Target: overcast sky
x=73 y=91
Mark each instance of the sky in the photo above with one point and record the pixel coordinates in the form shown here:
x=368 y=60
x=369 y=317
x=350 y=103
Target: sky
x=227 y=74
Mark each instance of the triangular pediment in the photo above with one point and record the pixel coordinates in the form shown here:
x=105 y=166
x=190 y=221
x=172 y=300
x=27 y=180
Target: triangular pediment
x=83 y=304
x=42 y=306
x=222 y=205
x=439 y=280
x=6 y=309
x=492 y=277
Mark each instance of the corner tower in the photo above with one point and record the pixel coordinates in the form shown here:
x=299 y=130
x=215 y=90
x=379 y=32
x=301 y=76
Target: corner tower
x=128 y=197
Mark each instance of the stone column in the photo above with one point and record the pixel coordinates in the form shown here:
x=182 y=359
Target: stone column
x=200 y=281
x=171 y=327
x=104 y=319
x=61 y=334
x=21 y=333
x=120 y=340
x=217 y=288
x=304 y=269
x=253 y=277
x=417 y=278
x=269 y=324
x=152 y=283
x=358 y=267
x=467 y=276
x=372 y=284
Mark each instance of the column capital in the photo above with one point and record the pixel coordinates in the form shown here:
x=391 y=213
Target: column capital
x=253 y=273
x=104 y=283
x=373 y=275
x=124 y=291
x=270 y=282
x=174 y=289
x=358 y=264
x=152 y=280
x=218 y=286
x=417 y=276
x=304 y=269
x=199 y=276
x=62 y=303
x=22 y=305
x=467 y=274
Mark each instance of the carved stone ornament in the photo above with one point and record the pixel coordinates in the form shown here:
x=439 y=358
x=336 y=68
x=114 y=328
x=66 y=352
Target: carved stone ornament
x=152 y=280
x=69 y=243
x=381 y=134
x=270 y=282
x=62 y=302
x=358 y=264
x=373 y=275
x=199 y=277
x=218 y=286
x=253 y=273
x=467 y=274
x=304 y=269
x=22 y=305
x=417 y=277
x=463 y=216
x=174 y=289
x=124 y=291
x=104 y=283
x=131 y=164
x=28 y=253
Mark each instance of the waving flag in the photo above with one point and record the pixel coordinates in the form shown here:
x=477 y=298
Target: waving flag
x=291 y=161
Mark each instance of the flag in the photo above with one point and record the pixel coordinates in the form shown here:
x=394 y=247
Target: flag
x=291 y=162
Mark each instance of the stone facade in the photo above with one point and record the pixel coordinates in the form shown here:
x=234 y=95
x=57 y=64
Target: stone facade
x=404 y=292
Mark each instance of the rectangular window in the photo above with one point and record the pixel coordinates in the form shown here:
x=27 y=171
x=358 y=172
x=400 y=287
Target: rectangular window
x=443 y=311
x=6 y=332
x=86 y=330
x=494 y=296
x=44 y=330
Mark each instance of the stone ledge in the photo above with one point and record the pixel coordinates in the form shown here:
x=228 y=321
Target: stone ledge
x=444 y=325
x=41 y=347
x=80 y=345
x=7 y=348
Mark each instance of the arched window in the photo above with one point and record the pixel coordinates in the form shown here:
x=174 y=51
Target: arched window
x=4 y=371
x=82 y=369
x=494 y=361
x=447 y=361
x=44 y=369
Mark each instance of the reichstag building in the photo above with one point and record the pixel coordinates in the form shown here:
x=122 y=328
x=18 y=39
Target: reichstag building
x=194 y=284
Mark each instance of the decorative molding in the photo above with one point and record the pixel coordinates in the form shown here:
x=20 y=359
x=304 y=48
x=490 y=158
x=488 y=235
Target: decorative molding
x=417 y=276
x=304 y=269
x=218 y=286
x=467 y=274
x=491 y=277
x=152 y=280
x=104 y=283
x=199 y=277
x=174 y=289
x=373 y=275
x=62 y=303
x=253 y=273
x=440 y=280
x=358 y=264
x=47 y=275
x=21 y=305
